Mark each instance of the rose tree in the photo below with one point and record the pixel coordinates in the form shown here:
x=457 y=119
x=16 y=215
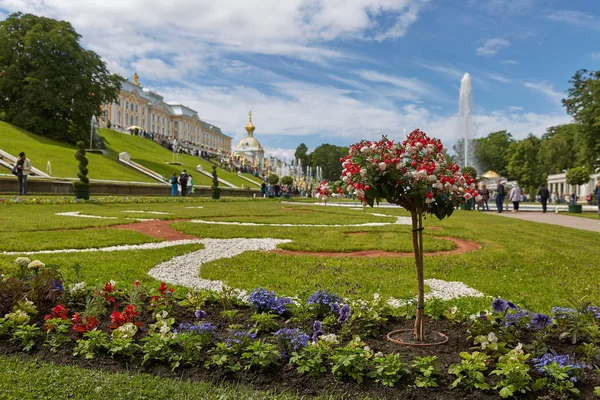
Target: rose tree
x=416 y=175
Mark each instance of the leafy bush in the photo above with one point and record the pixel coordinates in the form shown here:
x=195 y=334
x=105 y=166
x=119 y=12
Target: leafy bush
x=514 y=371
x=469 y=371
x=264 y=322
x=25 y=336
x=260 y=356
x=427 y=367
x=388 y=370
x=351 y=361
x=92 y=343
x=311 y=359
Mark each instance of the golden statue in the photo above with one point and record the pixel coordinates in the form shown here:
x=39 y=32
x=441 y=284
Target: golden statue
x=135 y=79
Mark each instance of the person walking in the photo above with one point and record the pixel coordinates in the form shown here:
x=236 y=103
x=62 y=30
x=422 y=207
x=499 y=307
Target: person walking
x=597 y=193
x=191 y=188
x=174 y=188
x=183 y=179
x=515 y=196
x=485 y=196
x=544 y=194
x=23 y=169
x=499 y=196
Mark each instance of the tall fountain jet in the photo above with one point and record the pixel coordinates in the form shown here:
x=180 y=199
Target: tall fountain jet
x=465 y=103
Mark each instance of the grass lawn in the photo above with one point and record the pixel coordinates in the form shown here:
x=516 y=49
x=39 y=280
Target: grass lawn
x=43 y=380
x=518 y=260
x=40 y=150
x=589 y=215
x=153 y=156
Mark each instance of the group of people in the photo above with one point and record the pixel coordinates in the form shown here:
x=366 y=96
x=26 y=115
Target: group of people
x=182 y=186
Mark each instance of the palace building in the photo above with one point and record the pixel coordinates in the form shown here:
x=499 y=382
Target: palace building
x=146 y=111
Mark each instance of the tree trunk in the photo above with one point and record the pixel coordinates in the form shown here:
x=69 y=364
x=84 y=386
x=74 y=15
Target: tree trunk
x=417 y=235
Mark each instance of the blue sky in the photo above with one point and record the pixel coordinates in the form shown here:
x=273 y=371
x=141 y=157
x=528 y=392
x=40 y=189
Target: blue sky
x=337 y=71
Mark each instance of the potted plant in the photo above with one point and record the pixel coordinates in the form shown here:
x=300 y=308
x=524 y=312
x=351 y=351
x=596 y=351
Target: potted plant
x=216 y=190
x=81 y=188
x=416 y=175
x=576 y=177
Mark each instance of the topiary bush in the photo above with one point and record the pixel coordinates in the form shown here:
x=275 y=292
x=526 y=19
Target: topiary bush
x=273 y=179
x=216 y=191
x=82 y=186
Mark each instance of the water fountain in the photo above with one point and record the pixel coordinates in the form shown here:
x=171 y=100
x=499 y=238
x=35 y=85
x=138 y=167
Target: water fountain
x=465 y=104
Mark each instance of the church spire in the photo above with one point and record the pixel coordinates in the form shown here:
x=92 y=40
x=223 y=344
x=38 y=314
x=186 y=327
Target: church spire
x=249 y=127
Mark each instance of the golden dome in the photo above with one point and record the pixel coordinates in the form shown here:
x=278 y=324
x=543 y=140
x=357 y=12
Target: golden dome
x=248 y=143
x=490 y=175
x=249 y=127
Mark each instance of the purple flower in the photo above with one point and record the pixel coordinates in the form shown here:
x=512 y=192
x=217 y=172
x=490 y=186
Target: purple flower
x=344 y=314
x=323 y=298
x=499 y=305
x=264 y=300
x=290 y=340
x=335 y=308
x=511 y=305
x=200 y=314
x=57 y=286
x=318 y=330
x=540 y=321
x=574 y=367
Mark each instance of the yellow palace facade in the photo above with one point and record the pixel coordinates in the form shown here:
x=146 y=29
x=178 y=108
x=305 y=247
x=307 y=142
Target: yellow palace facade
x=147 y=111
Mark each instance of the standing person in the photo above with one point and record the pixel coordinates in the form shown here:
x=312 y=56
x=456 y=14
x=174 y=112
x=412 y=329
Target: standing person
x=573 y=198
x=191 y=187
x=499 y=196
x=263 y=189
x=597 y=193
x=544 y=194
x=183 y=179
x=174 y=188
x=23 y=166
x=515 y=196
x=485 y=196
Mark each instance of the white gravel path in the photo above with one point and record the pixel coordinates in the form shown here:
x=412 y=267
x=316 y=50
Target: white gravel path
x=145 y=246
x=399 y=221
x=185 y=270
x=146 y=212
x=79 y=215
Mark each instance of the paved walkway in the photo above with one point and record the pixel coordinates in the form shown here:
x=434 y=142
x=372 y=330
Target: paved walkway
x=555 y=219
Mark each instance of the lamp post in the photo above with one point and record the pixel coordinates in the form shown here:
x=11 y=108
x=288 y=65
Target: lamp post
x=174 y=147
x=92 y=127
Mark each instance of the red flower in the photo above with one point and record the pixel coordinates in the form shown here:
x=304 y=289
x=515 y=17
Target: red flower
x=136 y=283
x=108 y=288
x=162 y=288
x=60 y=311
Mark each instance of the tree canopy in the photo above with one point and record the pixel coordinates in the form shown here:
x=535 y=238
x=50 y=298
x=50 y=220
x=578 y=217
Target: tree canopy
x=327 y=156
x=583 y=104
x=490 y=151
x=50 y=84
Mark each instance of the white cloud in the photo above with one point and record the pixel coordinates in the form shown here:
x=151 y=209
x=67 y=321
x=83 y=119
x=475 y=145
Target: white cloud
x=448 y=71
x=595 y=55
x=515 y=108
x=503 y=7
x=546 y=89
x=412 y=88
x=492 y=46
x=577 y=18
x=511 y=62
x=124 y=30
x=497 y=77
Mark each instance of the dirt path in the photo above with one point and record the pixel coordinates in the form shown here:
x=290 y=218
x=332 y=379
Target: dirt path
x=160 y=229
x=463 y=246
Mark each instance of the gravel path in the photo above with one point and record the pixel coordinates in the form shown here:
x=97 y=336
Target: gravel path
x=126 y=247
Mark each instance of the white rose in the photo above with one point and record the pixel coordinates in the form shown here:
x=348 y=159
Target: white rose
x=382 y=166
x=363 y=172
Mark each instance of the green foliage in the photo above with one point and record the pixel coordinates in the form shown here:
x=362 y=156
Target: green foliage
x=58 y=334
x=490 y=345
x=514 y=371
x=327 y=156
x=468 y=170
x=302 y=155
x=490 y=151
x=25 y=336
x=523 y=165
x=388 y=370
x=92 y=343
x=435 y=308
x=351 y=361
x=470 y=371
x=261 y=356
x=84 y=182
x=123 y=347
x=583 y=104
x=559 y=149
x=264 y=322
x=222 y=356
x=311 y=359
x=272 y=179
x=216 y=191
x=230 y=315
x=287 y=180
x=560 y=379
x=48 y=79
x=157 y=347
x=427 y=367
x=578 y=176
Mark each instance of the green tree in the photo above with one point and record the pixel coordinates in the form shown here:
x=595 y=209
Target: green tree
x=287 y=180
x=583 y=104
x=490 y=151
x=327 y=156
x=578 y=176
x=523 y=165
x=49 y=84
x=273 y=179
x=558 y=148
x=302 y=155
x=216 y=190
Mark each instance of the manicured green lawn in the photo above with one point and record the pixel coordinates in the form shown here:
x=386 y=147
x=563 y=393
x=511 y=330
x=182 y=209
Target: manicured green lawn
x=538 y=265
x=153 y=156
x=590 y=215
x=62 y=156
x=37 y=379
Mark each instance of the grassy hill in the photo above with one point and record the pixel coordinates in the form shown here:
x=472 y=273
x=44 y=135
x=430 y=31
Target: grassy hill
x=40 y=150
x=154 y=156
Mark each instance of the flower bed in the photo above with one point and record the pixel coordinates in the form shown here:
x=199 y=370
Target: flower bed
x=307 y=344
